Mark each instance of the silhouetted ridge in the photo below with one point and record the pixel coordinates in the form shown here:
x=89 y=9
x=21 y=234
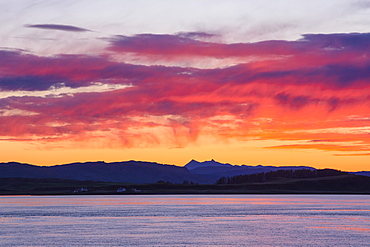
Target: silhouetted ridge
x=273 y=175
x=128 y=171
x=193 y=164
x=215 y=170
x=207 y=172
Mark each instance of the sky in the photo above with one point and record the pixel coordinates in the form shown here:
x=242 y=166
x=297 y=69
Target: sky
x=242 y=82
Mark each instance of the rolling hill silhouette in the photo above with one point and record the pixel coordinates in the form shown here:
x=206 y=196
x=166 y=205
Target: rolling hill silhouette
x=207 y=172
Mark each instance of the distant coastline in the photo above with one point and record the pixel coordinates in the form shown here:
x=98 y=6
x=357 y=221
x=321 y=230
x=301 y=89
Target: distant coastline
x=209 y=177
x=345 y=184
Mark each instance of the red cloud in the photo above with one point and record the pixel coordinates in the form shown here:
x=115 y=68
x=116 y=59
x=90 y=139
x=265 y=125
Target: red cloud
x=302 y=90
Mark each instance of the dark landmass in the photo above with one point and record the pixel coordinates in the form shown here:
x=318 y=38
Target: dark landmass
x=339 y=184
x=135 y=171
x=363 y=173
x=128 y=171
x=209 y=177
x=280 y=174
x=215 y=170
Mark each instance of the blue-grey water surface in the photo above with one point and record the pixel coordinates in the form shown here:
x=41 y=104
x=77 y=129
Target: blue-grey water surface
x=185 y=220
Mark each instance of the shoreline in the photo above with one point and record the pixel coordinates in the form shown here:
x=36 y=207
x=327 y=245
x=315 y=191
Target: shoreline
x=198 y=193
x=350 y=184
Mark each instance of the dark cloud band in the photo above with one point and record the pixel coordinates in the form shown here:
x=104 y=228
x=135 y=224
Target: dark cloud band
x=67 y=28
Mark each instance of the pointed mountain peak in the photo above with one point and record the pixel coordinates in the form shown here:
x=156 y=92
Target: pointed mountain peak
x=196 y=164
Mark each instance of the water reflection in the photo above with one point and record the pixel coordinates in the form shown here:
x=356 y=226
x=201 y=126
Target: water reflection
x=344 y=228
x=185 y=220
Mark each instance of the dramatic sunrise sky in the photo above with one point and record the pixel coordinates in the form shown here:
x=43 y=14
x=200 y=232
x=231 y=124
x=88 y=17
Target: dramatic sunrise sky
x=244 y=82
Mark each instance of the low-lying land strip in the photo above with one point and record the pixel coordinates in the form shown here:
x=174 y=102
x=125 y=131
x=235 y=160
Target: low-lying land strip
x=341 y=183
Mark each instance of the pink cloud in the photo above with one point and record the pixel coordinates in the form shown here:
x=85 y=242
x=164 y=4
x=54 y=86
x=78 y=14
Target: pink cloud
x=316 y=85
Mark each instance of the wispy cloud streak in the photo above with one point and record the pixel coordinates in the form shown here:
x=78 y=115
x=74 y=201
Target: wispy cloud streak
x=58 y=27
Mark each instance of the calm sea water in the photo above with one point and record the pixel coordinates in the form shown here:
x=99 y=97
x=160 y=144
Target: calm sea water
x=185 y=220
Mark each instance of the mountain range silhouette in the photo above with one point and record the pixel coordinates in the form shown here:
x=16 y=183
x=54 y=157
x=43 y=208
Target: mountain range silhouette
x=207 y=172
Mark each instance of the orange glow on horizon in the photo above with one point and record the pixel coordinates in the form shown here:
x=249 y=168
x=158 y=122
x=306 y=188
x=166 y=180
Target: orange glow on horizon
x=274 y=102
x=237 y=153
